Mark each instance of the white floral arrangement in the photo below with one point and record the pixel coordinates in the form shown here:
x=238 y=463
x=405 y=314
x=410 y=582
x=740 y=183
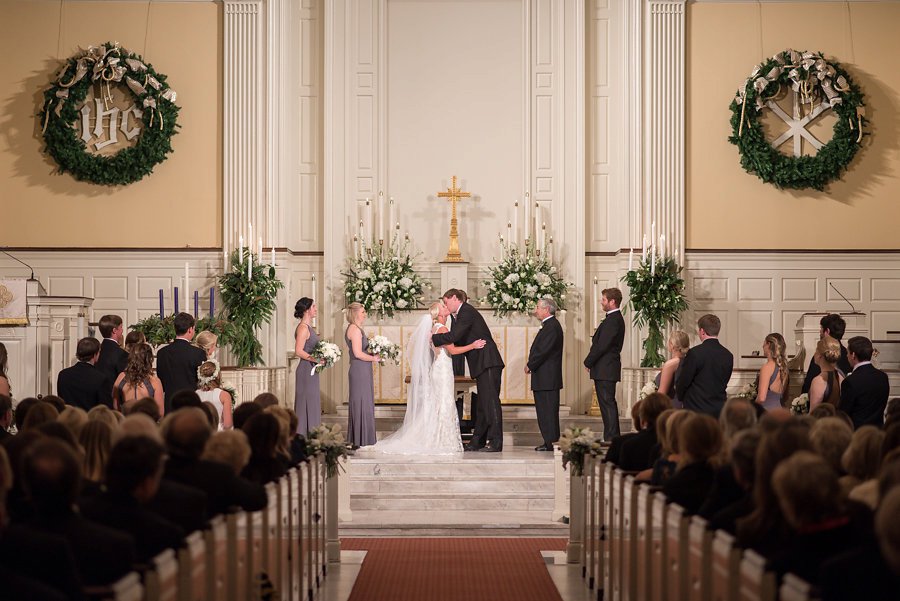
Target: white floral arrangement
x=648 y=389
x=576 y=443
x=384 y=348
x=383 y=279
x=521 y=279
x=749 y=391
x=328 y=439
x=326 y=355
x=800 y=405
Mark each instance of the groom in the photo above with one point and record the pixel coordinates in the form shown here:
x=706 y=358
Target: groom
x=485 y=366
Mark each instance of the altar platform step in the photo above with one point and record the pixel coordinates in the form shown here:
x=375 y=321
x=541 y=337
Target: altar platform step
x=470 y=494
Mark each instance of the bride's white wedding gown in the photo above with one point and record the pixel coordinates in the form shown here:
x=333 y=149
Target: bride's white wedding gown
x=431 y=425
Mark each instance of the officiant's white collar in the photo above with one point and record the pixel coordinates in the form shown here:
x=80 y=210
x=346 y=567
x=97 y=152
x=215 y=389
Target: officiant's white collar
x=612 y=311
x=546 y=318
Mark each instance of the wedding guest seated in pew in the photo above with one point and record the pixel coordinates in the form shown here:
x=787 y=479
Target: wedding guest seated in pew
x=737 y=415
x=874 y=566
x=75 y=419
x=640 y=451
x=699 y=441
x=743 y=465
x=24 y=573
x=243 y=412
x=229 y=447
x=133 y=474
x=867 y=492
x=52 y=479
x=661 y=451
x=6 y=416
x=764 y=529
x=96 y=442
x=830 y=438
x=615 y=446
x=186 y=432
x=862 y=459
x=265 y=465
x=298 y=441
x=22 y=409
x=664 y=467
x=40 y=413
x=821 y=526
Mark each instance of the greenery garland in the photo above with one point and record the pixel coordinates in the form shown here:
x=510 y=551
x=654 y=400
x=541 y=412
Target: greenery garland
x=656 y=296
x=162 y=331
x=817 y=81
x=250 y=300
x=105 y=66
x=383 y=279
x=521 y=279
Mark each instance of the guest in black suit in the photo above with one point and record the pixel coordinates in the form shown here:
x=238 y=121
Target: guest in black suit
x=705 y=370
x=485 y=366
x=699 y=440
x=133 y=475
x=864 y=393
x=604 y=361
x=83 y=385
x=177 y=363
x=52 y=477
x=831 y=325
x=186 y=435
x=641 y=451
x=113 y=358
x=545 y=366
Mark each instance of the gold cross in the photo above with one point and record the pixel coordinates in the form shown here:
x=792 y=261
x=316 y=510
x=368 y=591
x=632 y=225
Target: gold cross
x=454 y=195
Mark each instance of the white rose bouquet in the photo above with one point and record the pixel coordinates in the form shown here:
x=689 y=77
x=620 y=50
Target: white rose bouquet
x=328 y=439
x=648 y=389
x=576 y=443
x=381 y=346
x=800 y=405
x=749 y=391
x=326 y=354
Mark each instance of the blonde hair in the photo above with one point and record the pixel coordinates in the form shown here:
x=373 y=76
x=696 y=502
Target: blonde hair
x=778 y=348
x=353 y=310
x=104 y=414
x=862 y=459
x=680 y=341
x=661 y=426
x=74 y=418
x=284 y=429
x=96 y=440
x=435 y=310
x=830 y=437
x=205 y=340
x=673 y=425
x=230 y=447
x=829 y=349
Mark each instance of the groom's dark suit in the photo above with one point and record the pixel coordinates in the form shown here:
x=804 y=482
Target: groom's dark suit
x=485 y=366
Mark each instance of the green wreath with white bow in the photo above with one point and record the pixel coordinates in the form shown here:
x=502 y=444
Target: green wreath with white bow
x=818 y=85
x=107 y=66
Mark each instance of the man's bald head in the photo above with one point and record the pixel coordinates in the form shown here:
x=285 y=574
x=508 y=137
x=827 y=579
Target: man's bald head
x=186 y=432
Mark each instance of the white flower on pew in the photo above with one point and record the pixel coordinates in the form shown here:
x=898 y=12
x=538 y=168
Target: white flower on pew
x=576 y=443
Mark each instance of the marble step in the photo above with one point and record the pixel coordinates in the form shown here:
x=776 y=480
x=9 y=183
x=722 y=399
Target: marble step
x=452 y=523
x=504 y=501
x=513 y=486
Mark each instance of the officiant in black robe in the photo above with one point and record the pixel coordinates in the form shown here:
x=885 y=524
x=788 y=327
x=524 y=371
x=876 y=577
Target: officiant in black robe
x=545 y=366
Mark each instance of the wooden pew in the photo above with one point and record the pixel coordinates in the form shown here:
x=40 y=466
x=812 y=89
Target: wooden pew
x=216 y=559
x=699 y=552
x=615 y=537
x=644 y=543
x=161 y=579
x=598 y=525
x=126 y=588
x=724 y=568
x=321 y=562
x=590 y=522
x=629 y=539
x=295 y=561
x=659 y=551
x=236 y=577
x=676 y=553
x=270 y=556
x=756 y=583
x=794 y=588
x=609 y=557
x=309 y=526
x=192 y=569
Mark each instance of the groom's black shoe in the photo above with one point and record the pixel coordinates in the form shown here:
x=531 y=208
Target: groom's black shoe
x=489 y=449
x=543 y=447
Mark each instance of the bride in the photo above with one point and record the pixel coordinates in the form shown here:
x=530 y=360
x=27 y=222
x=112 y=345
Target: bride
x=431 y=425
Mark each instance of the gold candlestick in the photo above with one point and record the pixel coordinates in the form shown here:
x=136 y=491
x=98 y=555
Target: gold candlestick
x=454 y=195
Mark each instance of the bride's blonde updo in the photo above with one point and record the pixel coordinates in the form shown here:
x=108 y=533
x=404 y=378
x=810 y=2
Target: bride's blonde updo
x=435 y=310
x=829 y=349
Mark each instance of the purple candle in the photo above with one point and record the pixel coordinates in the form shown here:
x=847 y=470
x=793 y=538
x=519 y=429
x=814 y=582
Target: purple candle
x=212 y=302
x=161 y=306
x=196 y=304
x=176 y=300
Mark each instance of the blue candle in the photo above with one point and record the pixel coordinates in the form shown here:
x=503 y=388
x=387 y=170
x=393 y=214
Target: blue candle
x=161 y=306
x=212 y=302
x=196 y=304
x=176 y=300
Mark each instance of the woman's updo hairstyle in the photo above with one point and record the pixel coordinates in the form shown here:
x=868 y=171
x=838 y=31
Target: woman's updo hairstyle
x=829 y=349
x=303 y=305
x=353 y=310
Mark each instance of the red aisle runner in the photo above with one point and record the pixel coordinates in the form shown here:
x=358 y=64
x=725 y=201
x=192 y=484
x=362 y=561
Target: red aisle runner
x=454 y=569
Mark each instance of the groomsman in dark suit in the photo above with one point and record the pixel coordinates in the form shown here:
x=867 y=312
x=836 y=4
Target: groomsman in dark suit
x=864 y=393
x=831 y=325
x=545 y=366
x=485 y=366
x=604 y=361
x=113 y=357
x=705 y=370
x=83 y=385
x=177 y=363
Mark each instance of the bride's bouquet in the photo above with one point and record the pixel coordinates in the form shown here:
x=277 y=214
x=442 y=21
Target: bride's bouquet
x=648 y=389
x=800 y=405
x=326 y=354
x=381 y=346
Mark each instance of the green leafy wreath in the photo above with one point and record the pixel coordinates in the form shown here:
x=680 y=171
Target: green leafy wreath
x=818 y=82
x=105 y=66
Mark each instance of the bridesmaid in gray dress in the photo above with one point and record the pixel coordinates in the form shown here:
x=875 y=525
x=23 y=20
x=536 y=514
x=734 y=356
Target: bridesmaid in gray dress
x=307 y=403
x=361 y=425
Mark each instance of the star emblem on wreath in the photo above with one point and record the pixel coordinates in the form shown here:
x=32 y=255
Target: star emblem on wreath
x=815 y=86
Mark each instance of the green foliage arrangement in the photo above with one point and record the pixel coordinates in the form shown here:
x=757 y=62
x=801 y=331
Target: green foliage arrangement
x=383 y=279
x=522 y=278
x=656 y=298
x=818 y=81
x=249 y=302
x=105 y=66
x=162 y=331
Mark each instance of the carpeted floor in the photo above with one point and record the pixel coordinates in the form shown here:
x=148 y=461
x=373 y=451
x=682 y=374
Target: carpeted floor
x=454 y=569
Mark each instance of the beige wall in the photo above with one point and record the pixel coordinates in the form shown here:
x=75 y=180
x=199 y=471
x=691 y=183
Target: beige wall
x=41 y=208
x=728 y=208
